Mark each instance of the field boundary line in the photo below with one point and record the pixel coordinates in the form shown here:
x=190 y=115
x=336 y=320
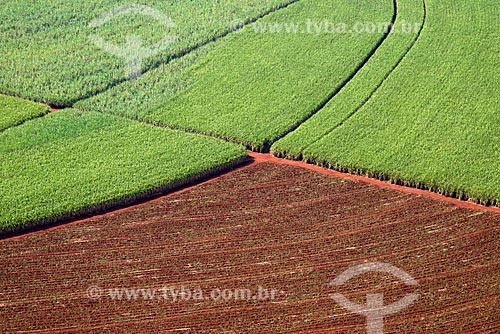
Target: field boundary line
x=168 y=127
x=321 y=105
x=262 y=157
x=265 y=146
x=125 y=203
x=252 y=159
x=391 y=71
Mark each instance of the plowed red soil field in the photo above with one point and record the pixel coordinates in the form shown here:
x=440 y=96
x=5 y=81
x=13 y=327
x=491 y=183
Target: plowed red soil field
x=280 y=230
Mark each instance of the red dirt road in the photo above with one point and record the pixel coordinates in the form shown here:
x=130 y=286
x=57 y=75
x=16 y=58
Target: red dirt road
x=266 y=225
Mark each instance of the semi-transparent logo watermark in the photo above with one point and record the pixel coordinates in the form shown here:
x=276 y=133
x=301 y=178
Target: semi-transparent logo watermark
x=374 y=310
x=132 y=51
x=325 y=27
x=174 y=294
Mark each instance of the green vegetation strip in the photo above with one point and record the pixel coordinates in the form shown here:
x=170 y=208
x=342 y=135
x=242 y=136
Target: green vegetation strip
x=257 y=84
x=70 y=163
x=47 y=54
x=14 y=111
x=434 y=123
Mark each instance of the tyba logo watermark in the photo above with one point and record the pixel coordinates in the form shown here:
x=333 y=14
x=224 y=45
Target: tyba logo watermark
x=132 y=51
x=374 y=310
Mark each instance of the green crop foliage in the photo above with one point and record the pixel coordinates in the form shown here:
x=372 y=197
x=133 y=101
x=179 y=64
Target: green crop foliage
x=14 y=111
x=68 y=163
x=418 y=106
x=256 y=85
x=47 y=55
x=362 y=87
x=434 y=122
x=138 y=99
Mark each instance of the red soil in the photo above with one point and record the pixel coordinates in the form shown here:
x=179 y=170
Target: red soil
x=276 y=226
x=259 y=157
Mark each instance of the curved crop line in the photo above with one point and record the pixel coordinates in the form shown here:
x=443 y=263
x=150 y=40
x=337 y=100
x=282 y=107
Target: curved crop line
x=342 y=85
x=352 y=113
x=178 y=55
x=451 y=193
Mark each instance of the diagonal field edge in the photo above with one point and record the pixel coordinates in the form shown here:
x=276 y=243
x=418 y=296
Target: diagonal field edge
x=28 y=119
x=126 y=202
x=256 y=158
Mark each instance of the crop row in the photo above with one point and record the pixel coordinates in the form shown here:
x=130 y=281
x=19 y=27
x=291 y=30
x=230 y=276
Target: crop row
x=362 y=87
